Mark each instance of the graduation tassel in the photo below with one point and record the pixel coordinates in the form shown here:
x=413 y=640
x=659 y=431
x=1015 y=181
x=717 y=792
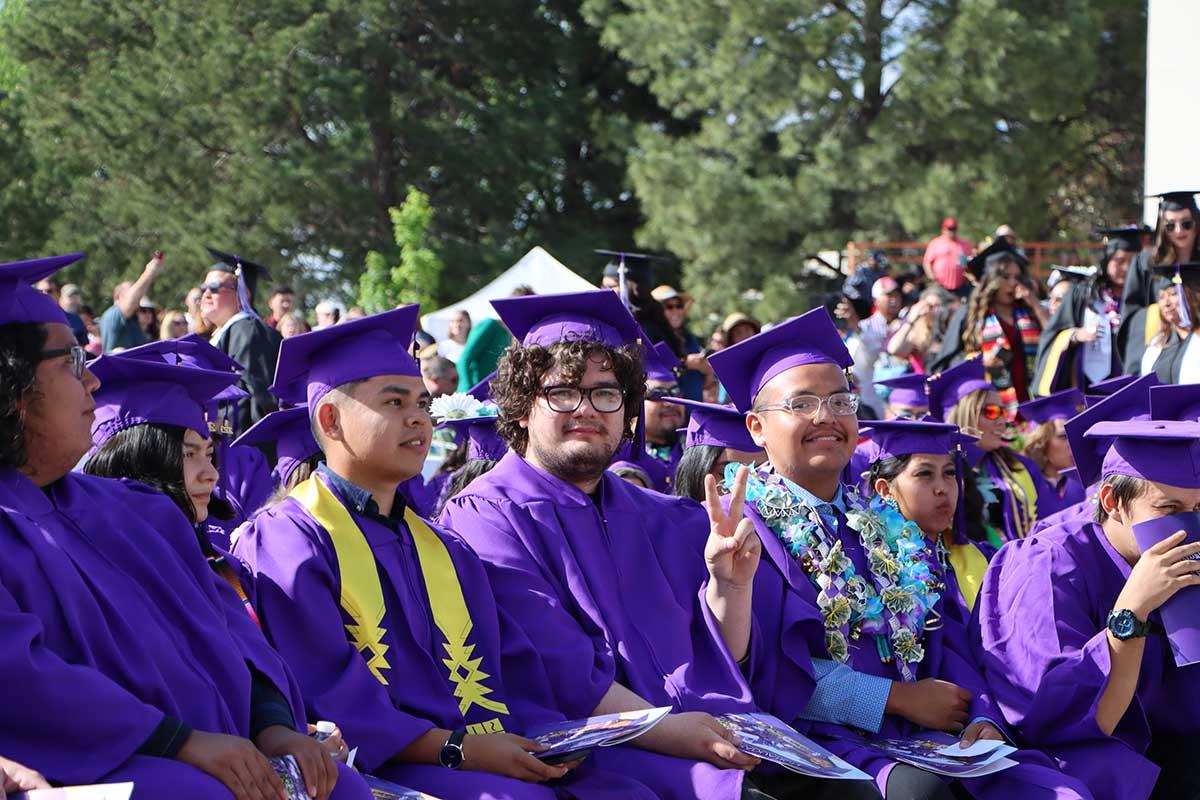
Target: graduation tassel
x=243 y=293
x=1185 y=315
x=622 y=286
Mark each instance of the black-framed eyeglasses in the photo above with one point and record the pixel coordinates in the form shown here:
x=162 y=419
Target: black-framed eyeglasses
x=215 y=287
x=654 y=395
x=842 y=404
x=78 y=358
x=1186 y=224
x=568 y=399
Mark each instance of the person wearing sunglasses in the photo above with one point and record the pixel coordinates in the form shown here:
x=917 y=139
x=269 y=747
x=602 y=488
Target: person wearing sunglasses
x=696 y=371
x=1179 y=361
x=1175 y=242
x=1014 y=493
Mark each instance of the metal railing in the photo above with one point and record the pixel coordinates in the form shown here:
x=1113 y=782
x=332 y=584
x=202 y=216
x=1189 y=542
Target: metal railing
x=1041 y=255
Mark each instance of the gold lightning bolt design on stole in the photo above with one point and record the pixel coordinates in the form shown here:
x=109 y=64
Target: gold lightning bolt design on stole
x=362 y=594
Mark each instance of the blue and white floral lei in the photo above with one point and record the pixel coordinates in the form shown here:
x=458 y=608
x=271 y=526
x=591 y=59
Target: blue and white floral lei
x=894 y=603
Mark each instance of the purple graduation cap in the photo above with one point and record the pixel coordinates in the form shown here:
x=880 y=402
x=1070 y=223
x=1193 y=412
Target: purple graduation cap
x=291 y=432
x=483 y=441
x=998 y=249
x=191 y=351
x=907 y=390
x=19 y=301
x=715 y=425
x=482 y=390
x=661 y=362
x=134 y=392
x=313 y=364
x=1060 y=405
x=546 y=319
x=744 y=368
x=1112 y=385
x=1175 y=401
x=890 y=438
x=1131 y=402
x=948 y=387
x=1163 y=451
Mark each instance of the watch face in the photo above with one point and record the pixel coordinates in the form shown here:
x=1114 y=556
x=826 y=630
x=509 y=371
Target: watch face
x=1122 y=625
x=451 y=756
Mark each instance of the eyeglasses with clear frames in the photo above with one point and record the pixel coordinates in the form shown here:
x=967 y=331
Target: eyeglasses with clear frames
x=568 y=399
x=78 y=358
x=842 y=404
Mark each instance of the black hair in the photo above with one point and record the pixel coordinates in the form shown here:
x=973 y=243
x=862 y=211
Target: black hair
x=21 y=345
x=1125 y=488
x=697 y=461
x=301 y=473
x=282 y=290
x=152 y=454
x=887 y=468
x=475 y=468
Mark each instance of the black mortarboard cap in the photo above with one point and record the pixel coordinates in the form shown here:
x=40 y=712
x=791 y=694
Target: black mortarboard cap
x=639 y=267
x=1126 y=237
x=1177 y=200
x=252 y=272
x=999 y=248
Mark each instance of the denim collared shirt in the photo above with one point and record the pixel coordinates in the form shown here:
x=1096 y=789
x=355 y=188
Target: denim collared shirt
x=360 y=500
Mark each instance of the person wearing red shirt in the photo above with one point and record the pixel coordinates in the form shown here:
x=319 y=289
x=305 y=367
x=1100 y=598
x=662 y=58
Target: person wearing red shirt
x=946 y=258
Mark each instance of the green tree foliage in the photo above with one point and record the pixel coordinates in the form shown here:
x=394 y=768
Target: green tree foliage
x=803 y=123
x=286 y=130
x=415 y=278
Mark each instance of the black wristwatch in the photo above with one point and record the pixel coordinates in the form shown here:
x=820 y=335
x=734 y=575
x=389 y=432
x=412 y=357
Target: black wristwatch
x=451 y=754
x=1123 y=624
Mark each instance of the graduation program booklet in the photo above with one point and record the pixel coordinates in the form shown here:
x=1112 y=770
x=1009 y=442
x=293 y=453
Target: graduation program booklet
x=386 y=790
x=1180 y=615
x=103 y=791
x=567 y=740
x=935 y=751
x=771 y=739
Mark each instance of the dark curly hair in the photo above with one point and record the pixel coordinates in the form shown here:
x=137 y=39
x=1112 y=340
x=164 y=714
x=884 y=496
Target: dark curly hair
x=21 y=346
x=518 y=381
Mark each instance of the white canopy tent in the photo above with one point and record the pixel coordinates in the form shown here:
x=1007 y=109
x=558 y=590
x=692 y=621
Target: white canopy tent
x=537 y=268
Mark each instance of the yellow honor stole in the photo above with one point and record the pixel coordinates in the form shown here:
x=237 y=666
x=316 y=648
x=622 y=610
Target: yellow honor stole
x=969 y=565
x=362 y=597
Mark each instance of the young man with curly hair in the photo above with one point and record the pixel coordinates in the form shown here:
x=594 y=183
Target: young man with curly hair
x=123 y=656
x=632 y=599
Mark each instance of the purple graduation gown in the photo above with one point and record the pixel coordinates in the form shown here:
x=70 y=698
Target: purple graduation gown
x=1042 y=613
x=245 y=483
x=110 y=618
x=785 y=599
x=298 y=585
x=607 y=592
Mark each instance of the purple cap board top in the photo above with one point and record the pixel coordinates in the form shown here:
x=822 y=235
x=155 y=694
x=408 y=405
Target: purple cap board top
x=744 y=368
x=291 y=432
x=1111 y=385
x=19 y=301
x=191 y=351
x=1180 y=614
x=1163 y=451
x=904 y=437
x=546 y=319
x=660 y=362
x=715 y=426
x=1060 y=405
x=483 y=440
x=949 y=387
x=1175 y=401
x=482 y=390
x=1130 y=402
x=313 y=364
x=134 y=392
x=907 y=390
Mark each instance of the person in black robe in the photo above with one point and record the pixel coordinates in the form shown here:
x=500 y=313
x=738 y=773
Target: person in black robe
x=226 y=303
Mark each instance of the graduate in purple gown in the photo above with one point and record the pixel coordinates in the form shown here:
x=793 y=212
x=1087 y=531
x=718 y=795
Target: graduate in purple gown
x=1046 y=444
x=632 y=598
x=716 y=435
x=662 y=419
x=389 y=623
x=889 y=656
x=1015 y=493
x=1069 y=631
x=245 y=482
x=124 y=657
x=1130 y=399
